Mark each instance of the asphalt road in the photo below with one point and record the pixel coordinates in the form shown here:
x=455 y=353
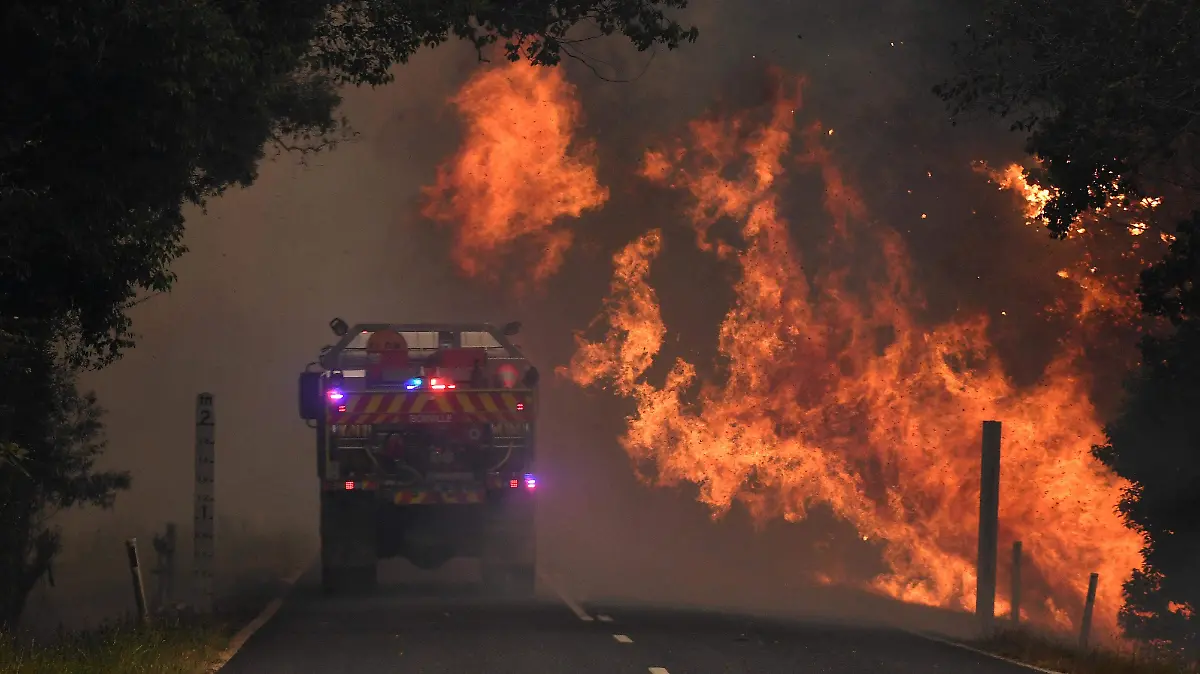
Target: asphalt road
x=449 y=627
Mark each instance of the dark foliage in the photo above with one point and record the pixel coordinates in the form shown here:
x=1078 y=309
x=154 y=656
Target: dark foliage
x=1104 y=90
x=1155 y=443
x=115 y=116
x=122 y=113
x=56 y=435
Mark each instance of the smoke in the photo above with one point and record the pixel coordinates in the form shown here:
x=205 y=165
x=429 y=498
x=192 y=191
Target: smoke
x=342 y=236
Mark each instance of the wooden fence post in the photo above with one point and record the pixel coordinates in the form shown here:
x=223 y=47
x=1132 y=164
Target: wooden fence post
x=989 y=523
x=1085 y=627
x=139 y=590
x=164 y=570
x=1016 y=585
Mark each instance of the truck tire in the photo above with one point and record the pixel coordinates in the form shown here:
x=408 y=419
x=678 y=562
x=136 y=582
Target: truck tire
x=509 y=557
x=349 y=545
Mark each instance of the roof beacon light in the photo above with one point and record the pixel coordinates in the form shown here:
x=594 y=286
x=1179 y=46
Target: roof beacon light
x=440 y=384
x=530 y=482
x=336 y=395
x=413 y=384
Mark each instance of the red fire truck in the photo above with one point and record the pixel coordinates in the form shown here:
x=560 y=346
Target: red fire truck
x=425 y=450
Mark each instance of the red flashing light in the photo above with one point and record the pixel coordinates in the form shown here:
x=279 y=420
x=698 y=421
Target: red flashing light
x=512 y=484
x=520 y=406
x=440 y=385
x=349 y=485
x=341 y=408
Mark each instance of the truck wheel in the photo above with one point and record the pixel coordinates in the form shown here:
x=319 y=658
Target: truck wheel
x=342 y=579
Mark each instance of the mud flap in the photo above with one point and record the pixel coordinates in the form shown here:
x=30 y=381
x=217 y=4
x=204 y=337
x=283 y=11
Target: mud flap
x=349 y=533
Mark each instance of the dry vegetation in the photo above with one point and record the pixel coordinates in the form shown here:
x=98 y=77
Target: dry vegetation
x=254 y=562
x=1060 y=656
x=176 y=646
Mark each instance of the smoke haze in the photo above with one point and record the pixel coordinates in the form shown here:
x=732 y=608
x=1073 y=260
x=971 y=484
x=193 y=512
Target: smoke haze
x=342 y=236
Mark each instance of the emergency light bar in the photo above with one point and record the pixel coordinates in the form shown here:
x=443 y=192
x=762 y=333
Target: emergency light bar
x=434 y=383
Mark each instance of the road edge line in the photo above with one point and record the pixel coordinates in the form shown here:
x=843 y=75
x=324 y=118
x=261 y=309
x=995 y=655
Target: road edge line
x=243 y=635
x=575 y=607
x=979 y=651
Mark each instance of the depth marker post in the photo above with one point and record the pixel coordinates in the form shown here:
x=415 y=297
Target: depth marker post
x=202 y=524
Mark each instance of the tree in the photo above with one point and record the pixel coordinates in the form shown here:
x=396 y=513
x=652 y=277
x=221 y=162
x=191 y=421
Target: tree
x=1154 y=442
x=1103 y=89
x=118 y=116
x=1104 y=92
x=59 y=437
x=122 y=113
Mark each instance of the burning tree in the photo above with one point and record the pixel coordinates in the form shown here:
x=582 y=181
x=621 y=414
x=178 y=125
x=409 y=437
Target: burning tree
x=1155 y=443
x=833 y=391
x=1104 y=91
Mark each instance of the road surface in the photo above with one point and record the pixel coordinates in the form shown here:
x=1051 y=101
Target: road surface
x=450 y=627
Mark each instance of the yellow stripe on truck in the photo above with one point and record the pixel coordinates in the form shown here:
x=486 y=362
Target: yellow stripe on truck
x=419 y=403
x=489 y=402
x=464 y=401
x=373 y=403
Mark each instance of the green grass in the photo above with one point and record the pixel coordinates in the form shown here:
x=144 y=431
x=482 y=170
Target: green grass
x=1060 y=656
x=175 y=646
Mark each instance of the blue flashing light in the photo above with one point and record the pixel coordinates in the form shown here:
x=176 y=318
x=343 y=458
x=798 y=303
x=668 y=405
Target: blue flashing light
x=530 y=481
x=413 y=384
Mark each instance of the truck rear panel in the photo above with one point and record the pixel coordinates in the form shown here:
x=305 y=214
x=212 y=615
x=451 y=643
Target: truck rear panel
x=431 y=429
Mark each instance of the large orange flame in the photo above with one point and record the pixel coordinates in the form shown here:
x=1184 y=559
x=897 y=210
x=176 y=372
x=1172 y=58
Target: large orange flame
x=518 y=171
x=836 y=393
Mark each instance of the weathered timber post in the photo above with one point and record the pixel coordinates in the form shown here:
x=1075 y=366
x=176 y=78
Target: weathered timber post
x=1085 y=628
x=139 y=590
x=1016 y=585
x=989 y=522
x=164 y=549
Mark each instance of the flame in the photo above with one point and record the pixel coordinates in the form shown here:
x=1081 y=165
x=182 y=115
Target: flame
x=833 y=393
x=1105 y=271
x=518 y=171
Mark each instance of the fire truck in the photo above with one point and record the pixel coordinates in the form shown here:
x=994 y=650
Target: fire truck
x=424 y=450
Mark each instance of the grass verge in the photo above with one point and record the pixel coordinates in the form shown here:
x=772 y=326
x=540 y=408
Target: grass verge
x=183 y=646
x=1056 y=655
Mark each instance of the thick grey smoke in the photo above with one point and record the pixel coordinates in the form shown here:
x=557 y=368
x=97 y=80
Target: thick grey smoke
x=269 y=266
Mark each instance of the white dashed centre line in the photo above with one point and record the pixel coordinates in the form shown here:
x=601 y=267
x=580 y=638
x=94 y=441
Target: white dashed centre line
x=621 y=638
x=659 y=670
x=605 y=618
